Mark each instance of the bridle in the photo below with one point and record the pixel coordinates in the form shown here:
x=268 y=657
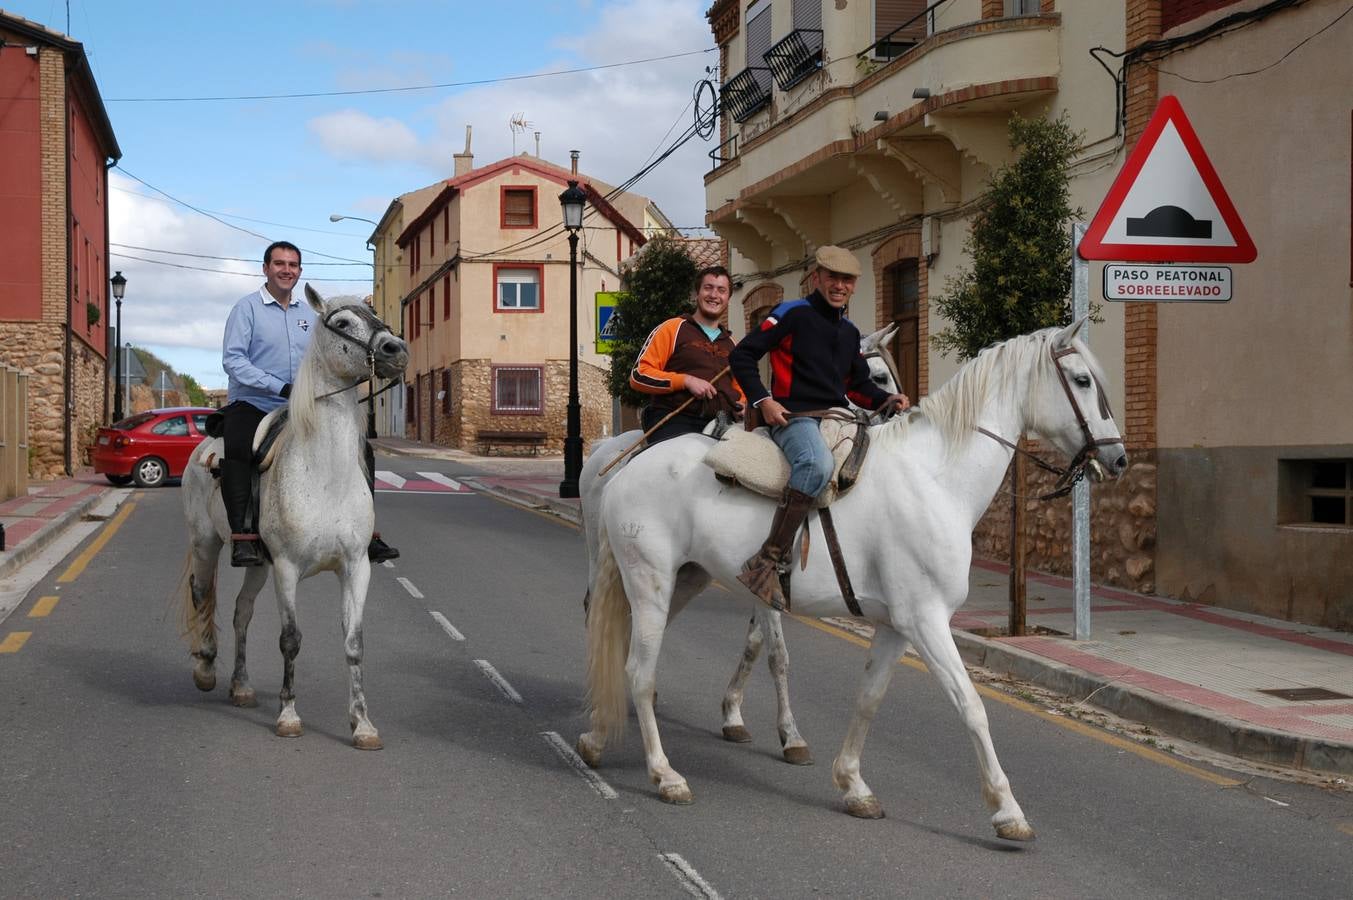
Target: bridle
x=1075 y=470
x=887 y=358
x=377 y=326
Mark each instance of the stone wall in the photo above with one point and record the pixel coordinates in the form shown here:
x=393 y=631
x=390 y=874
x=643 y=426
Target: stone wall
x=88 y=382
x=472 y=405
x=1122 y=526
x=36 y=348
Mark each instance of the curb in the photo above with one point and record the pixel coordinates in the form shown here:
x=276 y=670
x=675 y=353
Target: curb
x=1176 y=718
x=527 y=499
x=38 y=541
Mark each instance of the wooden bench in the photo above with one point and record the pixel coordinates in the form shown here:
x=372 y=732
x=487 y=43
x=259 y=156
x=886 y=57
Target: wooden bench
x=487 y=440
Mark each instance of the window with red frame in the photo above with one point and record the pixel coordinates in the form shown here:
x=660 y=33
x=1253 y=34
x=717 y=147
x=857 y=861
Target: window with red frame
x=517 y=289
x=519 y=207
x=518 y=390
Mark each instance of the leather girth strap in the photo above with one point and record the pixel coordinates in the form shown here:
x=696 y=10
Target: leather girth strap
x=838 y=562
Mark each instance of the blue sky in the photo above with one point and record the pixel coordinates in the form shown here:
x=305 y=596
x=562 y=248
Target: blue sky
x=280 y=167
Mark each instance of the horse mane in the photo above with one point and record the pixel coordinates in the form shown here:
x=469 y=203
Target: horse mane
x=954 y=409
x=302 y=400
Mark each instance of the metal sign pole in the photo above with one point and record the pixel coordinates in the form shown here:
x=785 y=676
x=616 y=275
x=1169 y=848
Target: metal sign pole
x=1080 y=493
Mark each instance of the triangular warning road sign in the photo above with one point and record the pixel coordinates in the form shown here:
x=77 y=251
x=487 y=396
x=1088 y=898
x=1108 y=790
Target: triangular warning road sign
x=1167 y=204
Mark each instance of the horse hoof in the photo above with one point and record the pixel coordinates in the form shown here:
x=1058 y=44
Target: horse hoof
x=204 y=679
x=290 y=729
x=738 y=734
x=590 y=755
x=367 y=741
x=245 y=698
x=864 y=807
x=676 y=794
x=798 y=756
x=1018 y=830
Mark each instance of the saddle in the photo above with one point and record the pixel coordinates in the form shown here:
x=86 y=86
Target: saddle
x=269 y=429
x=752 y=460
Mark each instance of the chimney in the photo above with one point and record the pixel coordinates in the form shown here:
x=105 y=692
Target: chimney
x=573 y=154
x=464 y=161
x=537 y=145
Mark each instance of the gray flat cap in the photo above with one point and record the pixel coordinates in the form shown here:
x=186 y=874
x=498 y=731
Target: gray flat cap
x=837 y=259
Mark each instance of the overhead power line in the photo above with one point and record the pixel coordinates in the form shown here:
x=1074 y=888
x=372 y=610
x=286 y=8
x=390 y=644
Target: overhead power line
x=410 y=88
x=160 y=262
x=243 y=259
x=216 y=212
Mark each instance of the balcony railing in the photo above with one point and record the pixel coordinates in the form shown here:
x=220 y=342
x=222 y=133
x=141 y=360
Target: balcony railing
x=745 y=93
x=725 y=152
x=796 y=57
x=903 y=37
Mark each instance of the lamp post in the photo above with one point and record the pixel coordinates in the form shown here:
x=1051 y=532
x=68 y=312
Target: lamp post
x=370 y=388
x=572 y=200
x=119 y=284
x=127 y=380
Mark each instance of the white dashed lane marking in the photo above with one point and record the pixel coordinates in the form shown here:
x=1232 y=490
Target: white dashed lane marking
x=447 y=626
x=439 y=478
x=689 y=878
x=408 y=586
x=389 y=478
x=499 y=681
x=425 y=483
x=575 y=762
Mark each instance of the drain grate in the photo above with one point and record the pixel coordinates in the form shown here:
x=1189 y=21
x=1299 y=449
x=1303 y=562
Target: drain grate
x=1306 y=693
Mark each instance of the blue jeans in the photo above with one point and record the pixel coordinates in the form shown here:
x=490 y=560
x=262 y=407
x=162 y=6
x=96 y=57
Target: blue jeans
x=810 y=462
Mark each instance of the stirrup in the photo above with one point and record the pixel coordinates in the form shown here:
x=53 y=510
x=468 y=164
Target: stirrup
x=762 y=576
x=244 y=551
x=378 y=551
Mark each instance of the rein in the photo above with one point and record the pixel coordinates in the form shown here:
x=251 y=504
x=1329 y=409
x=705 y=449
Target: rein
x=1075 y=470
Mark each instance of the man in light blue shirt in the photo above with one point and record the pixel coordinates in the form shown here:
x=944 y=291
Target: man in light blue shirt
x=266 y=336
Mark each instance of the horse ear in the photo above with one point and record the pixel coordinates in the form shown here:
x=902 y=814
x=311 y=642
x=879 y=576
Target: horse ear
x=878 y=339
x=1070 y=333
x=888 y=337
x=315 y=300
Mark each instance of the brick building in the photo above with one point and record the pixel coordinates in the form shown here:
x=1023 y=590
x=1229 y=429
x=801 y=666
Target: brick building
x=56 y=144
x=877 y=126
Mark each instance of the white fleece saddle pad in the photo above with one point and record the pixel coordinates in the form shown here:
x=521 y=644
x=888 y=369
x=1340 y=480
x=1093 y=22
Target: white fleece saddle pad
x=754 y=461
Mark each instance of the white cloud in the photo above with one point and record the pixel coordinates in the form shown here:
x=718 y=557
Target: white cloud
x=352 y=135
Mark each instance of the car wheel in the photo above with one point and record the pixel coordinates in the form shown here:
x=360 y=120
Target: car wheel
x=119 y=480
x=150 y=472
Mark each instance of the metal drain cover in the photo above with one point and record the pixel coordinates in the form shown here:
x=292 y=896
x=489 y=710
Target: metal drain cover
x=1306 y=693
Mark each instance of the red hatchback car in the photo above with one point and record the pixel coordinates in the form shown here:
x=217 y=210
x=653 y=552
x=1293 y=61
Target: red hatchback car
x=150 y=447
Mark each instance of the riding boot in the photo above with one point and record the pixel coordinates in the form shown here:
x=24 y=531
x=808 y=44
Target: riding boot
x=762 y=572
x=235 y=491
x=378 y=551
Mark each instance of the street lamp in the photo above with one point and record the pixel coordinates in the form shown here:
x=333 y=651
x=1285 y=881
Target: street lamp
x=371 y=387
x=119 y=283
x=572 y=200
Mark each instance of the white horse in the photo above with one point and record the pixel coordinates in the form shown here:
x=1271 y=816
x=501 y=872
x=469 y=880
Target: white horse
x=315 y=510
x=692 y=580
x=905 y=532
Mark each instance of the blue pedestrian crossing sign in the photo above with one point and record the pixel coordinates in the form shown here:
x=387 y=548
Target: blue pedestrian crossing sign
x=606 y=320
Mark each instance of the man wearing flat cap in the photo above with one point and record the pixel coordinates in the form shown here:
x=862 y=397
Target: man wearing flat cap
x=814 y=361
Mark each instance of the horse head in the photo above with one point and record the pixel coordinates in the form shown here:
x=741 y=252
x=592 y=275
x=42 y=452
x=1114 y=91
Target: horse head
x=356 y=339
x=1070 y=408
x=874 y=349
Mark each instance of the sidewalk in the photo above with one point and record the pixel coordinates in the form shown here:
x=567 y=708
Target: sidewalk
x=1265 y=690
x=33 y=521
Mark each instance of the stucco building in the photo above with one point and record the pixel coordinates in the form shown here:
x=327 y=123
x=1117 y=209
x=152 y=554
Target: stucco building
x=484 y=298
x=56 y=144
x=877 y=126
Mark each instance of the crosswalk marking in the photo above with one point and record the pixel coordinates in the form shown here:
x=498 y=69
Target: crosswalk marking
x=389 y=478
x=439 y=478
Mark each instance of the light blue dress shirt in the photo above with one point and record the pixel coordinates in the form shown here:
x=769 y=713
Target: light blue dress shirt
x=263 y=347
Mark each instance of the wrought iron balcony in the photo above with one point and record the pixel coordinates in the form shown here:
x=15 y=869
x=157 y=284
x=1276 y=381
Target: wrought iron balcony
x=796 y=57
x=745 y=93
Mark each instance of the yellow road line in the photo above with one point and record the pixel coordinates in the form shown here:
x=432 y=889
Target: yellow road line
x=43 y=607
x=14 y=641
x=1069 y=724
x=78 y=564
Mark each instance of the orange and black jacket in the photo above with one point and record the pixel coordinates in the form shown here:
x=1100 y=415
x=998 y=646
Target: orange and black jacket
x=678 y=348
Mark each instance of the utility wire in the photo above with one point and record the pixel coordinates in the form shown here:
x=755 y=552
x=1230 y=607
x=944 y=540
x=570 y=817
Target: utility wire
x=327 y=231
x=1280 y=59
x=160 y=262
x=242 y=259
x=410 y=88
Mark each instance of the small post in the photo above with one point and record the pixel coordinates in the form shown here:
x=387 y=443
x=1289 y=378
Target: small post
x=1018 y=566
x=1080 y=493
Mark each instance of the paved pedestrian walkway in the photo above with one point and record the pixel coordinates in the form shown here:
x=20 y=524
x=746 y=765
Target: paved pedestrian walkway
x=1261 y=689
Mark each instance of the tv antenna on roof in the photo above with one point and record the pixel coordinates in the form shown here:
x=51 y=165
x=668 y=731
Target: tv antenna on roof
x=519 y=125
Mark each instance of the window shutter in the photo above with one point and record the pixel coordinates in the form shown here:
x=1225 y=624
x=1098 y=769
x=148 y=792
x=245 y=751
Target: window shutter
x=890 y=14
x=518 y=208
x=758 y=42
x=807 y=14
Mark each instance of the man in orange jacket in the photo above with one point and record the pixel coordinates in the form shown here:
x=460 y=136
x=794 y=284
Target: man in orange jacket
x=682 y=358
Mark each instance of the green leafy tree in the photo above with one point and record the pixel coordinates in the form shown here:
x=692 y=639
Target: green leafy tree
x=197 y=396
x=1020 y=246
x=658 y=286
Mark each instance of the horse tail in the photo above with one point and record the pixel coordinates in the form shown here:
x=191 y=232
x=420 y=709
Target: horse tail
x=608 y=644
x=197 y=612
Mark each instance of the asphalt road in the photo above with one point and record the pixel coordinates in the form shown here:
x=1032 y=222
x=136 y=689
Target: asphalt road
x=120 y=779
